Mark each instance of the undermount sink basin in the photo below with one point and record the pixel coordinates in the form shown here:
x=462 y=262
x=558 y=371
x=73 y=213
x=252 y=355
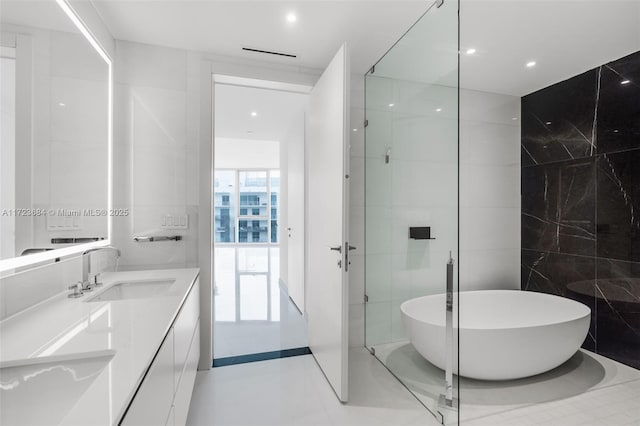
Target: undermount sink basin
x=133 y=290
x=57 y=382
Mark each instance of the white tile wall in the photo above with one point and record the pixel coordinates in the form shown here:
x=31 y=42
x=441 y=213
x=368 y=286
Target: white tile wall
x=156 y=150
x=489 y=255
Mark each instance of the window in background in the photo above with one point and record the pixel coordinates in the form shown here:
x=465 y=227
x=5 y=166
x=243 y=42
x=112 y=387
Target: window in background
x=256 y=215
x=275 y=205
x=225 y=206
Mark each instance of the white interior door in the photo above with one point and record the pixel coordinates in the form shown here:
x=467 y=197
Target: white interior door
x=326 y=272
x=295 y=215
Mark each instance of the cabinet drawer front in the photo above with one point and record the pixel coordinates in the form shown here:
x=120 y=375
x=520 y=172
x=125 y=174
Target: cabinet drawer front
x=152 y=402
x=185 y=388
x=184 y=327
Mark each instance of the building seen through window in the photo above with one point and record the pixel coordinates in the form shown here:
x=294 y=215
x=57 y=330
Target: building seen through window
x=254 y=217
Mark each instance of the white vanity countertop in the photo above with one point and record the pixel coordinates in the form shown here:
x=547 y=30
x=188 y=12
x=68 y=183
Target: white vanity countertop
x=133 y=328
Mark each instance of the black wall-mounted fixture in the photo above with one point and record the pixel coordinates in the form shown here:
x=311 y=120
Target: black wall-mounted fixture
x=75 y=240
x=269 y=52
x=420 y=233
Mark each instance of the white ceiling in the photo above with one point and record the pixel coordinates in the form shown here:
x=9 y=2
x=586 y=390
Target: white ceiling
x=563 y=37
x=275 y=110
x=44 y=14
x=224 y=27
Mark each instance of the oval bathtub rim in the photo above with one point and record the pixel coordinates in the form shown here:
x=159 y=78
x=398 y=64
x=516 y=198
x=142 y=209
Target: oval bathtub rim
x=578 y=317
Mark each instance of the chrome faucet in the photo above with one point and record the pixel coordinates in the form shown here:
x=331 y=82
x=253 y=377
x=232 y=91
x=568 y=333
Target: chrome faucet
x=86 y=267
x=77 y=290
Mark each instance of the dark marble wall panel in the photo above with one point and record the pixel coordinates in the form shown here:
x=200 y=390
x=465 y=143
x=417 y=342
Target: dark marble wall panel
x=563 y=275
x=558 y=207
x=618 y=223
x=618 y=310
x=619 y=105
x=581 y=200
x=558 y=121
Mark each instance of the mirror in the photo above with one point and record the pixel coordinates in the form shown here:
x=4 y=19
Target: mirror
x=54 y=132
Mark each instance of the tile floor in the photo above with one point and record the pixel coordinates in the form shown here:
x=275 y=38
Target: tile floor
x=293 y=391
x=253 y=314
x=588 y=390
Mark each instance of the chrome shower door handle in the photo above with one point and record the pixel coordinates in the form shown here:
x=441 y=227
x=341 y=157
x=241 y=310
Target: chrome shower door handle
x=336 y=248
x=448 y=397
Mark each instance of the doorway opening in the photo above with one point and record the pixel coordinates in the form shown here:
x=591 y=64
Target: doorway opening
x=256 y=131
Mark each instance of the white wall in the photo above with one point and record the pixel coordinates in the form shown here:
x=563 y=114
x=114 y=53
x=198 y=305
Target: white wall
x=156 y=145
x=292 y=229
x=7 y=152
x=489 y=255
x=246 y=153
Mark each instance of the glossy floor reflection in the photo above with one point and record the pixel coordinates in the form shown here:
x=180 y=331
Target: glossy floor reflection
x=294 y=392
x=253 y=314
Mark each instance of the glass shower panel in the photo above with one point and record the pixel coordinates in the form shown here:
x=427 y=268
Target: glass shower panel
x=412 y=182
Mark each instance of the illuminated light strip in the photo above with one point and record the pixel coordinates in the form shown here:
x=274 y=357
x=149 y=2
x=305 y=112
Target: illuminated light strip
x=83 y=29
x=18 y=262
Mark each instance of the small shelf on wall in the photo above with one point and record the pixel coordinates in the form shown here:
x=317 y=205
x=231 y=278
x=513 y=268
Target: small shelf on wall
x=420 y=233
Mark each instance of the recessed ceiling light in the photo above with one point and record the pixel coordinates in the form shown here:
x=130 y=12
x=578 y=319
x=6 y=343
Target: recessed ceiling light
x=531 y=64
x=616 y=131
x=548 y=123
x=61 y=104
x=438 y=109
x=471 y=51
x=392 y=105
x=355 y=130
x=254 y=114
x=625 y=82
x=291 y=17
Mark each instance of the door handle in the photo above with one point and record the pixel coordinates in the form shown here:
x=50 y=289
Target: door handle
x=352 y=248
x=337 y=248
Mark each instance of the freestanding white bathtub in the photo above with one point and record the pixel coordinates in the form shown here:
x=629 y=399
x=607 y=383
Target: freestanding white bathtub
x=504 y=334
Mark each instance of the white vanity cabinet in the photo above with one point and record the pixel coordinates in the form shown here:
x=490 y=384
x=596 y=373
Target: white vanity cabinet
x=165 y=393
